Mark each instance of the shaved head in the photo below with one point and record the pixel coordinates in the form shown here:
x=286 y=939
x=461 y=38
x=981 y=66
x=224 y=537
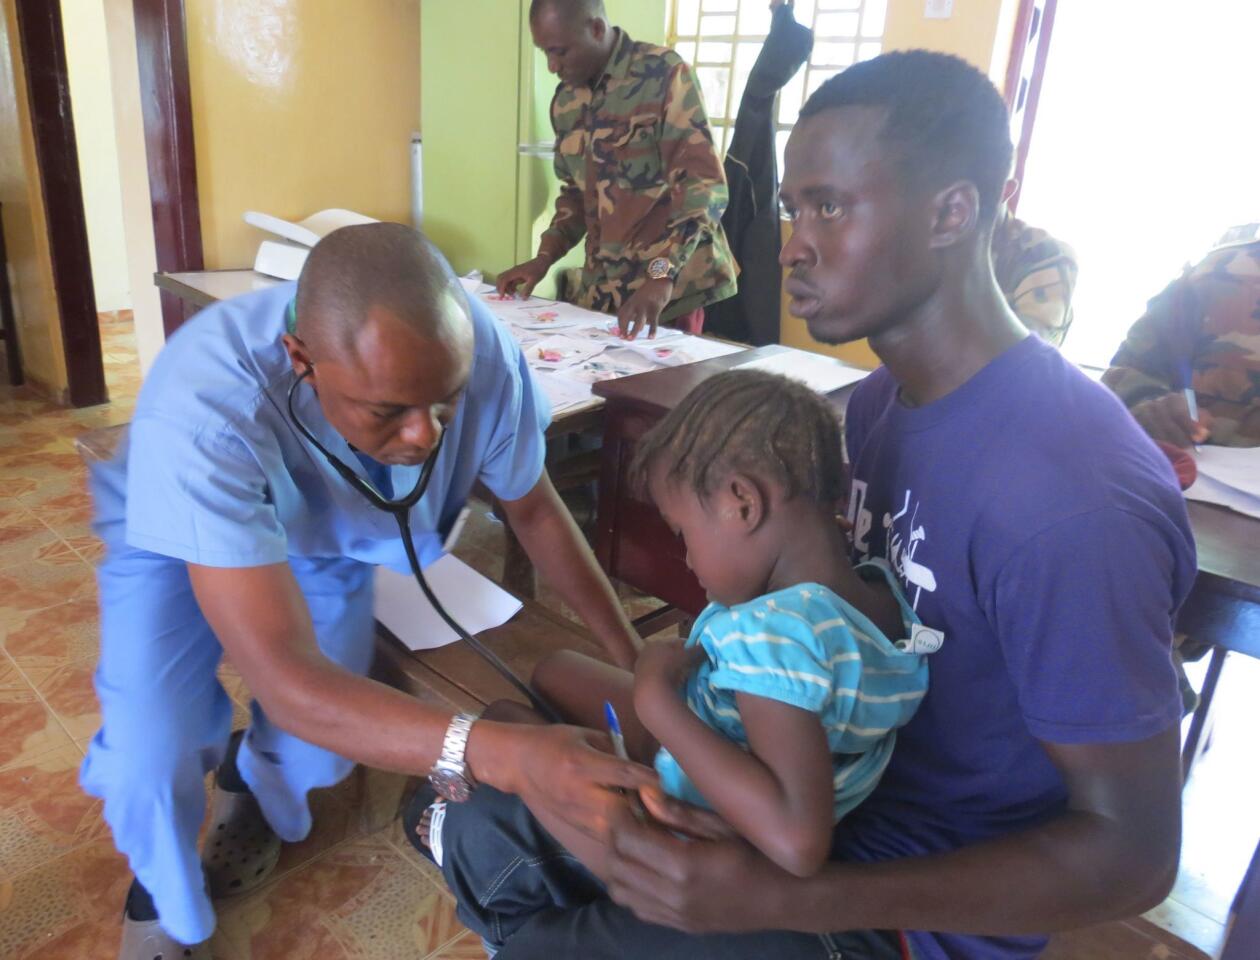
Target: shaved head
x=357 y=272
x=569 y=9
x=385 y=335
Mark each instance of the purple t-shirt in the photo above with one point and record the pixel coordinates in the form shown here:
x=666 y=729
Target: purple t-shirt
x=1032 y=523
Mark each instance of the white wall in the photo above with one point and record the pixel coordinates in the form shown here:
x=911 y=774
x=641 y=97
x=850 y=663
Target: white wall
x=87 y=56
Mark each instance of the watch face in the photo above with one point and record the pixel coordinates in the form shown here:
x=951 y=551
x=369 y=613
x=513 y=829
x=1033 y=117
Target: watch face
x=450 y=785
x=658 y=269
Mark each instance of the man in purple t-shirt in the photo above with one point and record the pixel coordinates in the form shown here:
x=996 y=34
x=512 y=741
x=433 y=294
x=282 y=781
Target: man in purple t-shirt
x=1035 y=529
x=1031 y=523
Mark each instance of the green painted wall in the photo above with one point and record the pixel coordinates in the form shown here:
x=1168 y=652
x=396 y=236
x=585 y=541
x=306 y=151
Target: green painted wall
x=485 y=89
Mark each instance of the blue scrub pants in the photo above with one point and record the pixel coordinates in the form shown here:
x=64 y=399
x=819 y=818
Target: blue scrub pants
x=166 y=720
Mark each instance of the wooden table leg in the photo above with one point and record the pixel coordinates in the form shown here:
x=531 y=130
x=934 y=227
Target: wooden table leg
x=1242 y=942
x=1201 y=722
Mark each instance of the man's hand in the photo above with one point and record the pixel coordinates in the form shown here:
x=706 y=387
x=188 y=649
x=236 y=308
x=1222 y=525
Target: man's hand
x=699 y=886
x=1167 y=418
x=644 y=307
x=560 y=772
x=523 y=277
x=695 y=822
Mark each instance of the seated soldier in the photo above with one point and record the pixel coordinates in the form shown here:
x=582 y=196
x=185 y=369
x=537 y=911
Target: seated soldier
x=1202 y=331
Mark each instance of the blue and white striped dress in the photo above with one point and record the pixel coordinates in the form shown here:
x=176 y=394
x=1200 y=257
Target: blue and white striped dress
x=807 y=647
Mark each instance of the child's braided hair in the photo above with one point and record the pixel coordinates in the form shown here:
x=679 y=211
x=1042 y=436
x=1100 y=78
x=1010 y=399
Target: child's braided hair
x=748 y=421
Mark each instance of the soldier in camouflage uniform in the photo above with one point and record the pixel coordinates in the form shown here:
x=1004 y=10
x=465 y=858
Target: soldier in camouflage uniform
x=1205 y=324
x=1036 y=274
x=640 y=176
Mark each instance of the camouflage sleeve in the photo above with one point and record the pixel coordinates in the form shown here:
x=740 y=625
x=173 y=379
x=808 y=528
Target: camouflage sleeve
x=692 y=168
x=568 y=224
x=1142 y=368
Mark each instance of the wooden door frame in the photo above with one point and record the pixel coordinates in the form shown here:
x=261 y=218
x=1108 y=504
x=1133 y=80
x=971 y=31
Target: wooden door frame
x=52 y=126
x=1034 y=25
x=166 y=99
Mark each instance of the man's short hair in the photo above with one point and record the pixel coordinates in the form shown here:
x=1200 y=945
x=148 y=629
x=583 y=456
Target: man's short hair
x=573 y=10
x=945 y=120
x=356 y=268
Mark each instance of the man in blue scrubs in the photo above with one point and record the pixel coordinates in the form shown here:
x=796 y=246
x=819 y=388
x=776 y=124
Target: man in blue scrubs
x=227 y=531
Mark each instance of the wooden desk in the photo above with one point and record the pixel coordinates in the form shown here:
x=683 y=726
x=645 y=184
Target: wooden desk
x=632 y=542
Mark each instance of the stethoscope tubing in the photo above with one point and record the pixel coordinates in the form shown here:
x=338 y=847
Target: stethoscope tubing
x=400 y=509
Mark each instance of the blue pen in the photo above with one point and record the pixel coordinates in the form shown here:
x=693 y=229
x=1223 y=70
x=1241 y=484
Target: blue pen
x=614 y=731
x=619 y=747
x=1192 y=402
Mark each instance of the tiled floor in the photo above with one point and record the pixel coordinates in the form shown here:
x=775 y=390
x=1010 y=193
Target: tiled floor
x=344 y=893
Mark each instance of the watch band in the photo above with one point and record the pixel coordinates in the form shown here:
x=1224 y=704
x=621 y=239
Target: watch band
x=455 y=743
x=450 y=774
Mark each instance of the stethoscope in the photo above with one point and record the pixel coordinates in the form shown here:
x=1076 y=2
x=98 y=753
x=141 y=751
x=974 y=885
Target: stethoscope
x=401 y=510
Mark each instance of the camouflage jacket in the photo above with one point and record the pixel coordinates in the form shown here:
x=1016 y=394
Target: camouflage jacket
x=1037 y=274
x=641 y=179
x=1208 y=320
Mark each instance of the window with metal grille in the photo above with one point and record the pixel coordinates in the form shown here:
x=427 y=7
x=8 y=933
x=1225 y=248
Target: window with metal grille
x=721 y=40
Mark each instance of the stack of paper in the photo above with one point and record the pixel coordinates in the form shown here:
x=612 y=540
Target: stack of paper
x=569 y=348
x=1229 y=476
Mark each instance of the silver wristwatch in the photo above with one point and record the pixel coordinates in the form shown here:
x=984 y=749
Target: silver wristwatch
x=450 y=776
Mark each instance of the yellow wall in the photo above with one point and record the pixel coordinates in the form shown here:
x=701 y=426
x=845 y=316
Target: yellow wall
x=299 y=105
x=87 y=58
x=980 y=32
x=25 y=226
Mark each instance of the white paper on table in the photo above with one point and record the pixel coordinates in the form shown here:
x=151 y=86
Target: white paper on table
x=475 y=602
x=819 y=373
x=612 y=364
x=538 y=313
x=1229 y=476
x=1237 y=467
x=1207 y=490
x=474 y=286
x=702 y=348
x=558 y=351
x=562 y=392
x=607 y=331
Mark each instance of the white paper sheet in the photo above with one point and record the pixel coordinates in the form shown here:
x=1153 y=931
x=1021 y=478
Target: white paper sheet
x=558 y=351
x=563 y=392
x=1229 y=476
x=1237 y=467
x=817 y=372
x=475 y=602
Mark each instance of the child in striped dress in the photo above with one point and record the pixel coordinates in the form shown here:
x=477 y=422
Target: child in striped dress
x=779 y=712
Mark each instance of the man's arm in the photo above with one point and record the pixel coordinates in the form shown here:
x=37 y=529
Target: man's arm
x=1157 y=354
x=1112 y=853
x=554 y=543
x=692 y=168
x=260 y=617
x=568 y=224
x=567 y=228
x=698 y=195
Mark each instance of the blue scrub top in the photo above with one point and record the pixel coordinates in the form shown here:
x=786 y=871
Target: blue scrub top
x=214 y=472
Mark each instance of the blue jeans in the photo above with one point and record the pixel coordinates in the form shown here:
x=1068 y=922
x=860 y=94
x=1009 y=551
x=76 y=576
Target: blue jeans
x=527 y=896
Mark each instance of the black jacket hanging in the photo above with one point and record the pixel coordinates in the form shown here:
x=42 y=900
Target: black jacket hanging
x=751 y=220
